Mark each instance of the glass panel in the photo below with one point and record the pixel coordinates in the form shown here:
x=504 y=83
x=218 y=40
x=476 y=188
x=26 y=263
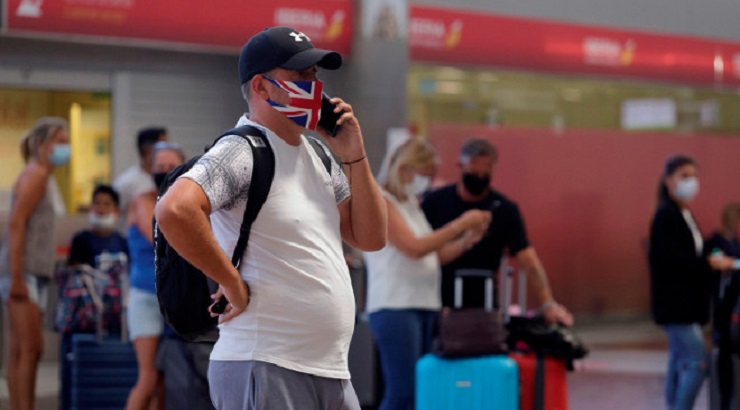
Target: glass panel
x=524 y=99
x=88 y=115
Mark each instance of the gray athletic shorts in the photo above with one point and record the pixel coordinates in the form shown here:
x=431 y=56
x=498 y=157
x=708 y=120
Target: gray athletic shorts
x=253 y=385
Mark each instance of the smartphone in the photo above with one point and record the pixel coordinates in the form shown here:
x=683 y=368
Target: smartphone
x=219 y=306
x=328 y=119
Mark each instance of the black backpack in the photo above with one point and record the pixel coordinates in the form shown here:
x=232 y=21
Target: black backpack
x=183 y=291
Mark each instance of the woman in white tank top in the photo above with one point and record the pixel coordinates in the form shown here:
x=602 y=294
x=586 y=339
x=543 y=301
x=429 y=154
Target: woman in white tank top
x=404 y=277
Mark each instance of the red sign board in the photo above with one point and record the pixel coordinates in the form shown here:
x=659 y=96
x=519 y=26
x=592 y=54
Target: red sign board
x=226 y=23
x=459 y=37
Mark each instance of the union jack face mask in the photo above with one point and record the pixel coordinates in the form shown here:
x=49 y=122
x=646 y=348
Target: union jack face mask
x=305 y=101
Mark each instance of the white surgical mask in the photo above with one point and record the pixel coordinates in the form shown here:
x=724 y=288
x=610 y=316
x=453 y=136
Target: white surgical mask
x=103 y=221
x=687 y=188
x=418 y=185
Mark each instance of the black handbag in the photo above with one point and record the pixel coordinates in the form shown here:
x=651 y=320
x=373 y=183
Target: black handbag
x=554 y=340
x=471 y=332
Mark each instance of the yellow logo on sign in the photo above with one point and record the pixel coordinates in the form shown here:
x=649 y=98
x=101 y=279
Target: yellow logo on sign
x=455 y=34
x=335 y=26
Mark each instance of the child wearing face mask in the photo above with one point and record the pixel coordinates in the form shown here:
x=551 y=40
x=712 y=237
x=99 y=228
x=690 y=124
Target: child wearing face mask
x=403 y=296
x=101 y=244
x=100 y=247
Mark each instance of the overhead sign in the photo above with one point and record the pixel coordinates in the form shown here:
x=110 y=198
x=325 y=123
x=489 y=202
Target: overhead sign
x=224 y=23
x=649 y=114
x=466 y=38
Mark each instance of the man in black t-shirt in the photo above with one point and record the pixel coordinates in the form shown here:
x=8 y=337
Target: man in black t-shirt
x=506 y=231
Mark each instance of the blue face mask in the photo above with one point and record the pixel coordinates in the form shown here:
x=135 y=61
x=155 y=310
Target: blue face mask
x=60 y=155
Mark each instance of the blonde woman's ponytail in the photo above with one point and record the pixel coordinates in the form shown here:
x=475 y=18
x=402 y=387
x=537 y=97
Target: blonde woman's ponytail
x=26 y=147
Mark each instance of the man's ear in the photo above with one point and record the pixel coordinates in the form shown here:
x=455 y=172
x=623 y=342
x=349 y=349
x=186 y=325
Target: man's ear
x=258 y=86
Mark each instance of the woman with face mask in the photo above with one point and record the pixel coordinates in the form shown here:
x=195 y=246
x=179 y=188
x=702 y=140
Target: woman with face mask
x=28 y=253
x=680 y=280
x=145 y=322
x=403 y=296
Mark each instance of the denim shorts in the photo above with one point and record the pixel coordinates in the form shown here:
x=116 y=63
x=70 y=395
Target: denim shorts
x=38 y=289
x=143 y=316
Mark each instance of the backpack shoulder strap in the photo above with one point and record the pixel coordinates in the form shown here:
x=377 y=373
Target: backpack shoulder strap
x=263 y=170
x=321 y=153
x=251 y=133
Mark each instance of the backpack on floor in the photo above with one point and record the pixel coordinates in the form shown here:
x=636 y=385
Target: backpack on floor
x=183 y=291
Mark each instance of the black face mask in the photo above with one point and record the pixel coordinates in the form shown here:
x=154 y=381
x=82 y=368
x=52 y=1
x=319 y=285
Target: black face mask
x=159 y=178
x=476 y=184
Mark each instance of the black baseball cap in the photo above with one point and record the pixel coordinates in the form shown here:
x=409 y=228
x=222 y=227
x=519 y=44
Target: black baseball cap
x=283 y=47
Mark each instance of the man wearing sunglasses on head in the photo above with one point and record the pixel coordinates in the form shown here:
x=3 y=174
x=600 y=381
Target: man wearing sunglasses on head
x=285 y=334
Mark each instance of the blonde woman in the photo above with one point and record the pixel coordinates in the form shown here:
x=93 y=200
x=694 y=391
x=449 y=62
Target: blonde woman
x=404 y=277
x=27 y=254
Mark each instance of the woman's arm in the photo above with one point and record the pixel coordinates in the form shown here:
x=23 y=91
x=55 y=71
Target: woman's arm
x=453 y=250
x=401 y=236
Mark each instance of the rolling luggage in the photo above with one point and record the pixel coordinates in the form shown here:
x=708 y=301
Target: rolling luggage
x=484 y=382
x=99 y=370
x=102 y=372
x=543 y=383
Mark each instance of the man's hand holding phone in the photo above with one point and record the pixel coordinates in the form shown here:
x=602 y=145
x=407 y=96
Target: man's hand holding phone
x=347 y=143
x=228 y=303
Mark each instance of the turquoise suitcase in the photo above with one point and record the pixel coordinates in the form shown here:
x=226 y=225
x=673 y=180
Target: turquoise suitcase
x=487 y=382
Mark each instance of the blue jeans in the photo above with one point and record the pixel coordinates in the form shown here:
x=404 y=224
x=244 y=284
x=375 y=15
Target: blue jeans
x=402 y=336
x=687 y=365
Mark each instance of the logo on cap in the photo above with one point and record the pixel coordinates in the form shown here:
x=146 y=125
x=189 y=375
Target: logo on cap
x=298 y=37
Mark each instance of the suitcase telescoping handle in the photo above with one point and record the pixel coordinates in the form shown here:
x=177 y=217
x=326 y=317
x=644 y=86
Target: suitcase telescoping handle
x=474 y=273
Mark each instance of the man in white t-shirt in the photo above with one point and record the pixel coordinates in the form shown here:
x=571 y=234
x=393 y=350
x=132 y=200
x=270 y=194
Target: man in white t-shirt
x=288 y=348
x=136 y=178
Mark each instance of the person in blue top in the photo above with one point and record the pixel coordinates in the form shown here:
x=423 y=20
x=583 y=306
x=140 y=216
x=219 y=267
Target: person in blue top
x=145 y=322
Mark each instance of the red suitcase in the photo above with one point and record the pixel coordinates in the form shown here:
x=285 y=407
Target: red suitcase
x=545 y=391
x=542 y=380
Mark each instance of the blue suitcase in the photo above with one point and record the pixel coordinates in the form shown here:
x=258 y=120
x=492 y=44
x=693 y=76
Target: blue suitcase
x=101 y=373
x=98 y=370
x=484 y=382
x=487 y=382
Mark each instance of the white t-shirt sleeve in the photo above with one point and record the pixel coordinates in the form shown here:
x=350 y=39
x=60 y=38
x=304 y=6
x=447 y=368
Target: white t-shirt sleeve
x=224 y=172
x=338 y=179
